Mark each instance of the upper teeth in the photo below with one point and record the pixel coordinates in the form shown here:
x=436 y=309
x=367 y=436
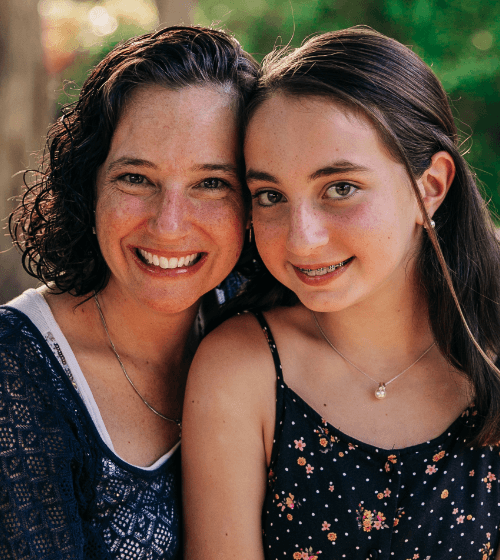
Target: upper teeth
x=324 y=270
x=164 y=262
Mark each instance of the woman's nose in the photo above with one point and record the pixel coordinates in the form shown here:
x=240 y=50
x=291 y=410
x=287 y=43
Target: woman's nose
x=170 y=214
x=307 y=230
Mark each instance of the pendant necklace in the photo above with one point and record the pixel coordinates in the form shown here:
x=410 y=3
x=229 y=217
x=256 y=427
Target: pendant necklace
x=176 y=421
x=381 y=392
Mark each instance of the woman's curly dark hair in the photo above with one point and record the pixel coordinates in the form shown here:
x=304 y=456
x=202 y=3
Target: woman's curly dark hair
x=53 y=223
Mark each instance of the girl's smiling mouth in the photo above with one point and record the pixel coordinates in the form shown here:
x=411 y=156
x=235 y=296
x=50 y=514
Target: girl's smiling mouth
x=321 y=271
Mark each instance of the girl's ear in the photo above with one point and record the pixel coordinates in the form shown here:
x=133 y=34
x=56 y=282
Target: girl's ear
x=436 y=181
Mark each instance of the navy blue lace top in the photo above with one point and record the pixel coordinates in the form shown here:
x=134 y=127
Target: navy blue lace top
x=63 y=494
x=331 y=496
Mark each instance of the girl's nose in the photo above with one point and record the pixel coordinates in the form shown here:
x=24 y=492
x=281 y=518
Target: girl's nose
x=307 y=230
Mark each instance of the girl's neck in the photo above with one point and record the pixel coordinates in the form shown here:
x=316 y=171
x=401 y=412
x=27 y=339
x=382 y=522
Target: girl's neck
x=383 y=328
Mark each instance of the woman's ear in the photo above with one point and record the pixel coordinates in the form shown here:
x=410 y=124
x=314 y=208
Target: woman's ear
x=436 y=181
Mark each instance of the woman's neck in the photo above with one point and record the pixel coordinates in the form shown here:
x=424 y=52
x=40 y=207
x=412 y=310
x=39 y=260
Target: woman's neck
x=145 y=334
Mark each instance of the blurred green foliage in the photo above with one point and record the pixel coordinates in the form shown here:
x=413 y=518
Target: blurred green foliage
x=459 y=39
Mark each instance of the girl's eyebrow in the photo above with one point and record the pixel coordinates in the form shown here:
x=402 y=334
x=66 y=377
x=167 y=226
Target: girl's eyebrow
x=340 y=166
x=335 y=167
x=254 y=175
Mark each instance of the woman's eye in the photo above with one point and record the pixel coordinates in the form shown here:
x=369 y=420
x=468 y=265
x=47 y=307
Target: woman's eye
x=213 y=183
x=341 y=190
x=134 y=178
x=268 y=198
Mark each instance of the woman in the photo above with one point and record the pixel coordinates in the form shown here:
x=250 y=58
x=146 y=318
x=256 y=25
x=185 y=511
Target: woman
x=360 y=439
x=137 y=215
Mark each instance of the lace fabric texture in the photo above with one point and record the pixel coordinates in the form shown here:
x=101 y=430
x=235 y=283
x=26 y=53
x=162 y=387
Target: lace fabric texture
x=63 y=494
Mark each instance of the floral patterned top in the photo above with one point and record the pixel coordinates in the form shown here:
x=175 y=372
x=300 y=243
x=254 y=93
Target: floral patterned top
x=331 y=496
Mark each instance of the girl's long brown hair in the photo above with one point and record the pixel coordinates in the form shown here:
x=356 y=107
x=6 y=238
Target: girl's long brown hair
x=459 y=261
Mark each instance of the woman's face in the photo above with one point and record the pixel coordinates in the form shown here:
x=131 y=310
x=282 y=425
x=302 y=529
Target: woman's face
x=170 y=217
x=334 y=215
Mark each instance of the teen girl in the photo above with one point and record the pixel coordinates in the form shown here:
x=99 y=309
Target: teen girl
x=358 y=416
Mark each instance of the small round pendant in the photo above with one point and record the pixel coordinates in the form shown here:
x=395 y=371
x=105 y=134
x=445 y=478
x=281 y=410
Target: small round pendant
x=380 y=392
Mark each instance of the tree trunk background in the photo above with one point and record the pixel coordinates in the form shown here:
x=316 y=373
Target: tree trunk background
x=175 y=12
x=25 y=110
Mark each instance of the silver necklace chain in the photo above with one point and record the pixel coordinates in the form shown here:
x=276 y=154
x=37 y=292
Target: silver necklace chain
x=178 y=422
x=380 y=393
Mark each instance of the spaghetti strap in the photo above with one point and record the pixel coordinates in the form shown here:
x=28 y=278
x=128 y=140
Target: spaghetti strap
x=272 y=345
x=280 y=390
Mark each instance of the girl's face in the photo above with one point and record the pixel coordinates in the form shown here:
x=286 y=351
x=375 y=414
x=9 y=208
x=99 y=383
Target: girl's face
x=170 y=217
x=334 y=214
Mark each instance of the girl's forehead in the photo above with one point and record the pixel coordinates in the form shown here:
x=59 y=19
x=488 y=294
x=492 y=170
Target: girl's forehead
x=312 y=118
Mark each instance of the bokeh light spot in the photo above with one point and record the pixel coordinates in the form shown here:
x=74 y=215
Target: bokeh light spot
x=482 y=40
x=102 y=22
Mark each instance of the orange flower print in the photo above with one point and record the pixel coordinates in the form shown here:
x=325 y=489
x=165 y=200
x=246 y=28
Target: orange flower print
x=391 y=459
x=438 y=456
x=486 y=550
x=471 y=473
x=289 y=502
x=331 y=487
x=461 y=519
x=289 y=516
x=399 y=513
x=301 y=461
x=380 y=496
x=431 y=469
x=325 y=526
x=488 y=479
x=469 y=517
x=444 y=494
x=332 y=536
x=309 y=469
x=368 y=520
x=306 y=554
x=299 y=444
x=325 y=441
x=387 y=492
x=341 y=454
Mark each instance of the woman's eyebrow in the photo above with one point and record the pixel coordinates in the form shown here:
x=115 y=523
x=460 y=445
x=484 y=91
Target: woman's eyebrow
x=226 y=167
x=126 y=160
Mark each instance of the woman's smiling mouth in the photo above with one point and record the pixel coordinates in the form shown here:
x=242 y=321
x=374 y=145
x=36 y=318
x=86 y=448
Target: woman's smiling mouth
x=323 y=270
x=152 y=259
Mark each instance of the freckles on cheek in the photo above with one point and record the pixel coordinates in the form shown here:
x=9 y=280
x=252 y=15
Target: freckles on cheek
x=267 y=238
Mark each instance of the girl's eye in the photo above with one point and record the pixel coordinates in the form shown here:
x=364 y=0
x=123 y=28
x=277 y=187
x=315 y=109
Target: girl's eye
x=341 y=190
x=213 y=183
x=268 y=198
